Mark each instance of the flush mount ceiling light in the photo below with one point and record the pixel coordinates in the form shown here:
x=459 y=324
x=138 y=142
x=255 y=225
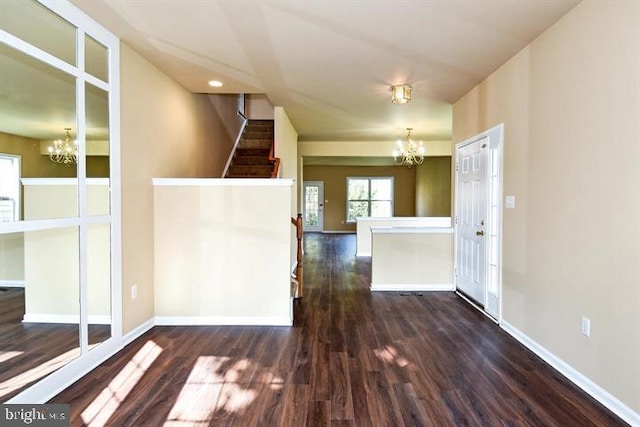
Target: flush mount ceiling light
x=215 y=83
x=400 y=94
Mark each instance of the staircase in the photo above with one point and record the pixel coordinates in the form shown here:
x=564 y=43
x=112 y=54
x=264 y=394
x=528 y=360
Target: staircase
x=253 y=157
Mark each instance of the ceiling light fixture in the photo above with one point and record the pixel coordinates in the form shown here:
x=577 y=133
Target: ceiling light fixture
x=400 y=94
x=64 y=152
x=215 y=83
x=408 y=152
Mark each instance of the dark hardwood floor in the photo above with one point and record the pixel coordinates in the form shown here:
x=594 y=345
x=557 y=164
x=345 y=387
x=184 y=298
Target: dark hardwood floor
x=353 y=358
x=31 y=351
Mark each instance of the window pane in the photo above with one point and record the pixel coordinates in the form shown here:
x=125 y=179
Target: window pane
x=358 y=189
x=381 y=209
x=357 y=210
x=381 y=189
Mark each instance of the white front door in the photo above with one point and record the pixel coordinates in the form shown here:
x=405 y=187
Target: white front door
x=471 y=219
x=313 y=212
x=478 y=219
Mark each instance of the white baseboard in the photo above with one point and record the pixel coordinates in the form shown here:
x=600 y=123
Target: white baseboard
x=222 y=321
x=591 y=388
x=394 y=287
x=11 y=283
x=64 y=318
x=363 y=253
x=137 y=332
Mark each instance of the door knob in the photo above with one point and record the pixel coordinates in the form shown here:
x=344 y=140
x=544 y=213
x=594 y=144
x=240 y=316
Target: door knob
x=479 y=233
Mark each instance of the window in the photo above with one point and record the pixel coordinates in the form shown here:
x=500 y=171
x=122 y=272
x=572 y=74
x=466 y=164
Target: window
x=369 y=197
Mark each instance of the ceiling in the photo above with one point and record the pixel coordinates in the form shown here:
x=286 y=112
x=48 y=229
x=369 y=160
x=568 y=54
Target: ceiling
x=330 y=64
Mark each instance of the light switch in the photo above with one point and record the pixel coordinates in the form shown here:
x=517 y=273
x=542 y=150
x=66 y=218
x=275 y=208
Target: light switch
x=510 y=202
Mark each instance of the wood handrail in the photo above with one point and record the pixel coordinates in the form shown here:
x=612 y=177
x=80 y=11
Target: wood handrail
x=275 y=161
x=297 y=222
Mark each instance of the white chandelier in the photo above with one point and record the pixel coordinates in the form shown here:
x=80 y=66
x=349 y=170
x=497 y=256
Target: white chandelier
x=64 y=152
x=408 y=152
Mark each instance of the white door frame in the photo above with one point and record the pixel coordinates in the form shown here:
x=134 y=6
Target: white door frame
x=320 y=185
x=493 y=294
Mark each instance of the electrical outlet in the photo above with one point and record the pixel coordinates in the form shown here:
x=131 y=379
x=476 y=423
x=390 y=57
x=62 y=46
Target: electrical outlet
x=585 y=326
x=134 y=291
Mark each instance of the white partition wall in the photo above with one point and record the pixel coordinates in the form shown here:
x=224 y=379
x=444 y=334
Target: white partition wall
x=412 y=259
x=221 y=257
x=364 y=225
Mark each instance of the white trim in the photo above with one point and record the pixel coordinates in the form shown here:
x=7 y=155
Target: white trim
x=12 y=283
x=65 y=318
x=411 y=230
x=426 y=287
x=579 y=379
x=222 y=321
x=137 y=332
x=444 y=220
x=63 y=181
x=334 y=232
x=223 y=182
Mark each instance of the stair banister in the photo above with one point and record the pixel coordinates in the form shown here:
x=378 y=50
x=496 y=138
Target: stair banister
x=235 y=144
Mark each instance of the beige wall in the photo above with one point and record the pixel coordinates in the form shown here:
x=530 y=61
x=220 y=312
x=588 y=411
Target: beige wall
x=165 y=132
x=570 y=104
x=335 y=190
x=433 y=187
x=258 y=107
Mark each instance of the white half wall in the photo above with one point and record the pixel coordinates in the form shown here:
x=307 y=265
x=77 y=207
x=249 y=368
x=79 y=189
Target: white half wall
x=222 y=250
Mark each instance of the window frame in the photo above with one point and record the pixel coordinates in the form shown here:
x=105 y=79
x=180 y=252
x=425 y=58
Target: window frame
x=17 y=161
x=369 y=199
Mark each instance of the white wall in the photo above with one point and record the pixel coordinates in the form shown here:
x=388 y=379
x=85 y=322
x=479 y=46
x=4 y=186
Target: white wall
x=412 y=259
x=220 y=256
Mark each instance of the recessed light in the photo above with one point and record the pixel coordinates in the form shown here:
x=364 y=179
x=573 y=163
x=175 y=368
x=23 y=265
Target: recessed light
x=215 y=83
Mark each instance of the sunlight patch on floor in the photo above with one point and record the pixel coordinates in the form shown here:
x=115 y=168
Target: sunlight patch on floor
x=7 y=355
x=97 y=414
x=32 y=375
x=390 y=355
x=212 y=387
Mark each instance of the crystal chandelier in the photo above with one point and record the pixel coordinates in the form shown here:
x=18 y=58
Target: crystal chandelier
x=408 y=152
x=65 y=152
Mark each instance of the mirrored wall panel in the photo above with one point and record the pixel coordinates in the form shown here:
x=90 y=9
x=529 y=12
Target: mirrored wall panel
x=37 y=25
x=38 y=128
x=96 y=59
x=99 y=283
x=39 y=305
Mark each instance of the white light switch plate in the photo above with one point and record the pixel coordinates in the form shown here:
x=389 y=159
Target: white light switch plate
x=510 y=202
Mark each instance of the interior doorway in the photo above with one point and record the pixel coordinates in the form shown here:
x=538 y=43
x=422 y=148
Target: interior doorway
x=478 y=219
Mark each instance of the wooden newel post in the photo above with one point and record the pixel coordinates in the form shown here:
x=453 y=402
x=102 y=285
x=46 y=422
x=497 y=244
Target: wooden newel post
x=299 y=271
